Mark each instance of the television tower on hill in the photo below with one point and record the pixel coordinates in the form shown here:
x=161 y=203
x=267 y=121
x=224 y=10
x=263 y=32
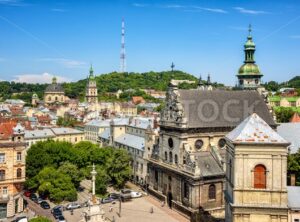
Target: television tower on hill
x=123 y=55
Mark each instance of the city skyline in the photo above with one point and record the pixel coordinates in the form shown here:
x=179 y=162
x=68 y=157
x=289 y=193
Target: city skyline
x=42 y=39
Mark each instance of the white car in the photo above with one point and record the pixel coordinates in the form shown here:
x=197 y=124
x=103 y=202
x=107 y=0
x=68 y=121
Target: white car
x=135 y=194
x=73 y=206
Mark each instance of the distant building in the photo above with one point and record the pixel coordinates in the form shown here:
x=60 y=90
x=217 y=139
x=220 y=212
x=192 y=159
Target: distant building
x=33 y=136
x=137 y=135
x=256 y=167
x=34 y=99
x=94 y=128
x=249 y=75
x=12 y=171
x=54 y=93
x=91 y=95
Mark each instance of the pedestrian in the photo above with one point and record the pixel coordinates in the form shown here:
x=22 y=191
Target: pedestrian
x=151 y=210
x=110 y=208
x=162 y=203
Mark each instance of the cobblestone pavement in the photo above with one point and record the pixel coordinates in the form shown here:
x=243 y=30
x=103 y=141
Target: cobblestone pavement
x=144 y=209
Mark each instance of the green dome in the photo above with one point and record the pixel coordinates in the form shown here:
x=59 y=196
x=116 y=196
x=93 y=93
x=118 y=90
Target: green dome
x=249 y=44
x=34 y=95
x=249 y=69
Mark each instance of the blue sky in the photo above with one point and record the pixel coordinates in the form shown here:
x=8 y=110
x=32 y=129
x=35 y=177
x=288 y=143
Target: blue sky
x=43 y=38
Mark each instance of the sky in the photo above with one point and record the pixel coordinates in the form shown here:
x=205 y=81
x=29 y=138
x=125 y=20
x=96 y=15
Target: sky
x=40 y=39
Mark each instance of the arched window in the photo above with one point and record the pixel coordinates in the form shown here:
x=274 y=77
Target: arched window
x=56 y=99
x=212 y=192
x=166 y=156
x=260 y=178
x=2 y=174
x=19 y=173
x=171 y=157
x=176 y=159
x=186 y=192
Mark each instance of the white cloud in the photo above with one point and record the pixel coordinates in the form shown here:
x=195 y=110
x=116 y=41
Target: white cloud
x=58 y=10
x=12 y=2
x=42 y=78
x=295 y=36
x=68 y=63
x=174 y=6
x=139 y=5
x=249 y=11
x=216 y=10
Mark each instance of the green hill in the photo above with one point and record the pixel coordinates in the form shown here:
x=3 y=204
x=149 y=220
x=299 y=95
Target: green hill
x=110 y=82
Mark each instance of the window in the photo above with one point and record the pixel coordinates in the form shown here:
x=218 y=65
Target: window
x=222 y=142
x=198 y=144
x=212 y=192
x=166 y=156
x=260 y=177
x=170 y=143
x=171 y=157
x=4 y=191
x=2 y=157
x=75 y=139
x=19 y=173
x=19 y=156
x=186 y=190
x=156 y=176
x=2 y=174
x=176 y=159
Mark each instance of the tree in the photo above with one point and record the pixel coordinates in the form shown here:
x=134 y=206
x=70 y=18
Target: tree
x=283 y=114
x=56 y=184
x=102 y=180
x=40 y=219
x=118 y=167
x=71 y=170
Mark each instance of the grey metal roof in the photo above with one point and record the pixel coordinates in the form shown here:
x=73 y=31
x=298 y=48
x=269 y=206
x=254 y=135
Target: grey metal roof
x=65 y=131
x=105 y=134
x=130 y=140
x=290 y=132
x=142 y=122
x=54 y=87
x=35 y=134
x=208 y=165
x=293 y=197
x=230 y=107
x=98 y=123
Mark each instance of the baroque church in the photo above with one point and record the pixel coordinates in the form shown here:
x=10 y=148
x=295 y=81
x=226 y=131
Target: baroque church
x=187 y=165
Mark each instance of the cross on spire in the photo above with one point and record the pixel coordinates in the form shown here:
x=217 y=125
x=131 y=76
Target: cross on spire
x=172 y=66
x=249 y=30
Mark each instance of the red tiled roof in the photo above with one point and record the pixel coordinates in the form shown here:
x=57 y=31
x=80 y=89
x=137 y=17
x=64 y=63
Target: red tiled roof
x=295 y=118
x=6 y=129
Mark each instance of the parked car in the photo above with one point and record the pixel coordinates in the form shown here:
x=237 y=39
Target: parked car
x=39 y=200
x=56 y=213
x=107 y=200
x=135 y=194
x=61 y=219
x=27 y=193
x=58 y=207
x=33 y=197
x=20 y=219
x=125 y=194
x=73 y=206
x=115 y=196
x=45 y=205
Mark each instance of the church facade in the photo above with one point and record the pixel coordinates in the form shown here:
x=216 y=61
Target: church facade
x=54 y=93
x=186 y=168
